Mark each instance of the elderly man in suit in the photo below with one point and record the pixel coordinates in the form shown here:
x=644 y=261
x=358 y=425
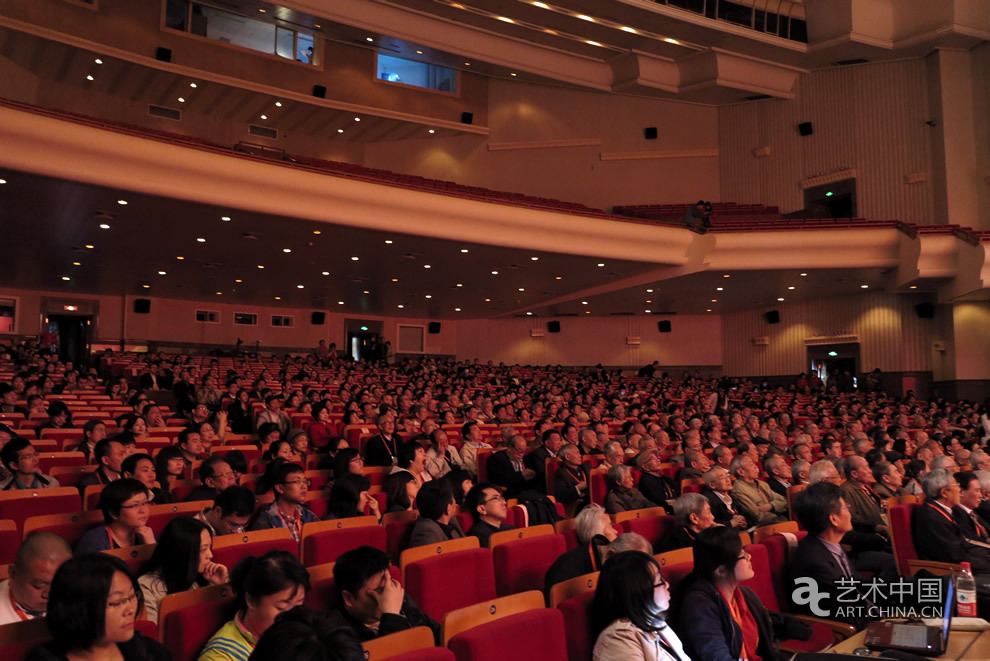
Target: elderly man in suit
x=757 y=499
x=862 y=498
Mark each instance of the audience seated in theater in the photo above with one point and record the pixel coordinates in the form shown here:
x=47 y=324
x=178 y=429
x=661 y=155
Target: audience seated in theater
x=182 y=560
x=799 y=471
x=169 y=467
x=412 y=459
x=93 y=603
x=401 y=488
x=191 y=444
x=108 y=454
x=141 y=467
x=622 y=495
x=717 y=618
x=20 y=459
x=937 y=535
x=537 y=459
x=8 y=400
x=693 y=513
x=215 y=475
x=571 y=480
x=628 y=611
x=695 y=464
x=778 y=474
x=94 y=431
x=230 y=513
x=888 y=479
x=383 y=449
x=488 y=510
x=281 y=450
x=594 y=532
x=615 y=454
x=124 y=504
x=274 y=414
x=460 y=483
x=24 y=596
x=507 y=468
x=266 y=586
x=59 y=416
x=370 y=602
x=863 y=501
x=974 y=526
x=305 y=634
x=298 y=440
x=758 y=501
x=653 y=484
x=436 y=522
x=287 y=511
x=349 y=498
x=442 y=457
x=473 y=441
x=347 y=460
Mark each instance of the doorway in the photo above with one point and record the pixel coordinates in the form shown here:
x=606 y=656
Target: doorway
x=364 y=345
x=72 y=337
x=836 y=364
x=835 y=200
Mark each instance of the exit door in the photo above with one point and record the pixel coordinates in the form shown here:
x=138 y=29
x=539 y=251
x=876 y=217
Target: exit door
x=73 y=335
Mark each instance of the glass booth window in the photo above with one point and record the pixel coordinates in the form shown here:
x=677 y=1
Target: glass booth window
x=418 y=74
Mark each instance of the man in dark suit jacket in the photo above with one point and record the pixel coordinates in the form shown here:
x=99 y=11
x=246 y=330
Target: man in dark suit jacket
x=965 y=513
x=383 y=450
x=718 y=490
x=652 y=483
x=537 y=459
x=936 y=534
x=778 y=473
x=507 y=469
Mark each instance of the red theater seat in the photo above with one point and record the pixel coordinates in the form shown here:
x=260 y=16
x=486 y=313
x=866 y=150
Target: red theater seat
x=414 y=644
x=654 y=528
x=537 y=633
x=522 y=564
x=160 y=515
x=10 y=539
x=19 y=638
x=325 y=541
x=188 y=619
x=229 y=549
x=450 y=581
x=70 y=526
x=19 y=506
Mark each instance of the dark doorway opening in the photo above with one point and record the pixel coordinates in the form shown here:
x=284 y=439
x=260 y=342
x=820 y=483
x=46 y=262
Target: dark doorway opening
x=836 y=364
x=74 y=337
x=835 y=200
x=364 y=345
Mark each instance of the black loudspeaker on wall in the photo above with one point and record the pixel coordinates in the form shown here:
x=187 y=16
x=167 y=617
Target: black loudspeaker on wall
x=772 y=317
x=319 y=91
x=467 y=118
x=433 y=328
x=663 y=326
x=553 y=326
x=318 y=318
x=805 y=128
x=142 y=306
x=925 y=310
x=650 y=133
x=163 y=54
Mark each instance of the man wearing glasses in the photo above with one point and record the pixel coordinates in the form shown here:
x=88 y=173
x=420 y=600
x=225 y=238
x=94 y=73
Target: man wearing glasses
x=21 y=459
x=487 y=507
x=216 y=475
x=288 y=511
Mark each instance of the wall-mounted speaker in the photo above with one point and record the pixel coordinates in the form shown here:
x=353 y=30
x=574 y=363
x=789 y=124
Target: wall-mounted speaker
x=553 y=326
x=318 y=318
x=650 y=133
x=772 y=317
x=805 y=128
x=663 y=326
x=163 y=54
x=319 y=91
x=925 y=310
x=467 y=118
x=142 y=306
x=433 y=328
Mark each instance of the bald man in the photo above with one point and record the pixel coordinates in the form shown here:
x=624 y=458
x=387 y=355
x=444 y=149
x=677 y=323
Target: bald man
x=25 y=595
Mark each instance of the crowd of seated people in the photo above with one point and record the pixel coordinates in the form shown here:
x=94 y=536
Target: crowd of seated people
x=426 y=431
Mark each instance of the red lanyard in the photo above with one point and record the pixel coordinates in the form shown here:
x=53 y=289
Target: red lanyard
x=17 y=609
x=939 y=510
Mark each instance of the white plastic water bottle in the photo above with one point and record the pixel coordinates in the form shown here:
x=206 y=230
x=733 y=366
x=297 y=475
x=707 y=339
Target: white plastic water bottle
x=965 y=592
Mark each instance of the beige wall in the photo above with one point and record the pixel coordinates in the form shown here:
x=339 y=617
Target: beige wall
x=891 y=335
x=867 y=117
x=693 y=341
x=971 y=322
x=981 y=107
x=532 y=114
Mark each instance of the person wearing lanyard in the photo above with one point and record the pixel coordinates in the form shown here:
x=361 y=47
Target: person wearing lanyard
x=628 y=611
x=25 y=595
x=125 y=506
x=720 y=620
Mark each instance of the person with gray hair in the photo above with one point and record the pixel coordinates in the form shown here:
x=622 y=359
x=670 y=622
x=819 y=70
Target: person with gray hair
x=888 y=479
x=945 y=462
x=24 y=595
x=615 y=455
x=588 y=441
x=983 y=509
x=936 y=534
x=629 y=541
x=594 y=532
x=622 y=494
x=824 y=470
x=980 y=460
x=693 y=513
x=800 y=469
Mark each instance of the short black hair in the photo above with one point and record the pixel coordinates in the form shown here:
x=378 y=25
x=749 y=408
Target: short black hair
x=475 y=498
x=77 y=603
x=466 y=428
x=965 y=478
x=433 y=499
x=235 y=501
x=345 y=495
x=716 y=548
x=176 y=555
x=90 y=425
x=237 y=461
x=8 y=455
x=355 y=567
x=165 y=455
x=260 y=577
x=814 y=505
x=625 y=590
x=184 y=435
x=103 y=449
x=129 y=465
x=306 y=634
x=407 y=453
x=116 y=494
x=208 y=468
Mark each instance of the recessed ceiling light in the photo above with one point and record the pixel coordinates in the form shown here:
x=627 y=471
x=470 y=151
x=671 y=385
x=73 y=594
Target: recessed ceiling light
x=720 y=289
x=395 y=279
x=300 y=286
x=340 y=130
x=714 y=300
x=467 y=64
x=626 y=28
x=286 y=249
x=388 y=241
x=357 y=119
x=219 y=293
x=559 y=277
x=464 y=249
x=181 y=100
x=264 y=116
x=648 y=300
x=65 y=277
x=76 y=264
x=649 y=291
x=263 y=11
x=780 y=298
x=427 y=266
x=541 y=5
x=512 y=74
x=238 y=280
x=278 y=104
x=146 y=286
x=583 y=17
x=89 y=246
x=457 y=309
x=587 y=311
x=104 y=226
x=708 y=310
x=505 y=19
x=179 y=257
x=2 y=182
x=592 y=43
x=400 y=306
x=864 y=286
x=98 y=61
x=225 y=219
x=428 y=296
x=803 y=274
x=431 y=131
x=646 y=311
x=326 y=273
x=201 y=240
x=122 y=203
x=192 y=85
x=522 y=289
x=261 y=266
x=459 y=284
x=494 y=272
x=419 y=52
x=317 y=25
x=488 y=300
x=340 y=302
x=369 y=38
x=529 y=314
x=671 y=41
x=535 y=259
x=89 y=77
x=317 y=232
x=161 y=273
x=913 y=287
x=584 y=302
x=601 y=264
x=354 y=259
x=278 y=298
x=726 y=275
x=366 y=292
x=791 y=287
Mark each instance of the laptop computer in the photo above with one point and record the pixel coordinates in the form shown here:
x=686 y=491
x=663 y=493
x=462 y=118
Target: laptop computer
x=917 y=638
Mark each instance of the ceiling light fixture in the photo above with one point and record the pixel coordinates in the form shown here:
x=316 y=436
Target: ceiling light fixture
x=264 y=116
x=467 y=64
x=89 y=78
x=340 y=302
x=535 y=259
x=192 y=85
x=431 y=131
x=419 y=52
x=122 y=203
x=488 y=300
x=494 y=272
x=261 y=266
x=76 y=264
x=529 y=314
x=708 y=309
x=326 y=273
x=791 y=287
x=600 y=264
x=512 y=74
x=317 y=232
x=646 y=311
x=559 y=277
x=625 y=28
x=726 y=275
x=400 y=306
x=65 y=277
x=505 y=19
x=369 y=38
x=464 y=249
x=2 y=181
x=278 y=104
x=161 y=273
x=98 y=61
x=864 y=286
x=357 y=119
x=388 y=241
x=225 y=219
x=541 y=5
x=592 y=43
x=278 y=298
x=584 y=17
x=146 y=286
x=366 y=292
x=457 y=309
x=714 y=300
x=913 y=287
x=340 y=130
x=286 y=249
x=428 y=296
x=181 y=100
x=395 y=279
x=720 y=289
x=300 y=286
x=104 y=226
x=354 y=259
x=219 y=293
x=672 y=41
x=584 y=302
x=89 y=246
x=201 y=240
x=179 y=257
x=238 y=280
x=459 y=285
x=427 y=266
x=522 y=289
x=780 y=298
x=803 y=275
x=649 y=291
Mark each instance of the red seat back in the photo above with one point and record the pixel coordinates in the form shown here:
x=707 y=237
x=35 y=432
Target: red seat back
x=654 y=528
x=598 y=488
x=185 y=631
x=778 y=557
x=900 y=517
x=18 y=506
x=161 y=514
x=10 y=539
x=762 y=581
x=577 y=624
x=237 y=546
x=522 y=565
x=536 y=634
x=19 y=638
x=443 y=583
x=397 y=534
x=329 y=545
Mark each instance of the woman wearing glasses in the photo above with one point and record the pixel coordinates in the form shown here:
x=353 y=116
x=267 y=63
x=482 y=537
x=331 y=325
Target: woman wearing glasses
x=720 y=620
x=125 y=507
x=628 y=610
x=92 y=606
